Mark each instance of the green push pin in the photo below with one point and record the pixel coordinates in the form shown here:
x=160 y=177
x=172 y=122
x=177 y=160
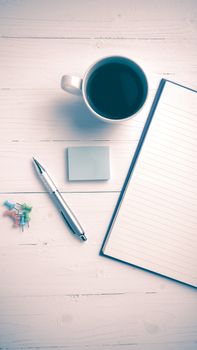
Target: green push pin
x=26 y=217
x=25 y=207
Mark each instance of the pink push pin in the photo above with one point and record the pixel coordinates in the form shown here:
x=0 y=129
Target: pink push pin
x=7 y=213
x=17 y=222
x=13 y=215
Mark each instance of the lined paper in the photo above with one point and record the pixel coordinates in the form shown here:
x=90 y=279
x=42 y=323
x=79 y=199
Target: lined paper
x=156 y=224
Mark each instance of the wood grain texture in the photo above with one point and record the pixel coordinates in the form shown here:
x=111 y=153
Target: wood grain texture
x=57 y=293
x=23 y=67
x=151 y=20
x=53 y=115
x=72 y=323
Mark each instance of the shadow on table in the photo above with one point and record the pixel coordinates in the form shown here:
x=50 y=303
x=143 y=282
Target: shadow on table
x=77 y=117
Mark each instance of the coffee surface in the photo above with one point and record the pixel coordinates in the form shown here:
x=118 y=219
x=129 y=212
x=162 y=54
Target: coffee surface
x=115 y=90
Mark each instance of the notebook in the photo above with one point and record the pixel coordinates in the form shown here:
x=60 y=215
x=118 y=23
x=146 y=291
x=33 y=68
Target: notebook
x=154 y=225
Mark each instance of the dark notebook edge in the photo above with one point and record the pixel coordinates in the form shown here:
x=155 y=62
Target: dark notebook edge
x=150 y=271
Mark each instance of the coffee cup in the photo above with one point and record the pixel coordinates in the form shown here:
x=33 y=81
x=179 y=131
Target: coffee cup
x=113 y=88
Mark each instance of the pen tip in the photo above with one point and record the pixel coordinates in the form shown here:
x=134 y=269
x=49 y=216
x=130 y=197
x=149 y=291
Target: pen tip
x=83 y=237
x=38 y=165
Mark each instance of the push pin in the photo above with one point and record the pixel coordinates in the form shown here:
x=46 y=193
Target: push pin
x=16 y=218
x=13 y=215
x=26 y=207
x=26 y=217
x=19 y=213
x=10 y=213
x=17 y=221
x=7 y=213
x=22 y=222
x=9 y=205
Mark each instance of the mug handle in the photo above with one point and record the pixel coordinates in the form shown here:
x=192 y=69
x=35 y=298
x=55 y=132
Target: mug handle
x=72 y=84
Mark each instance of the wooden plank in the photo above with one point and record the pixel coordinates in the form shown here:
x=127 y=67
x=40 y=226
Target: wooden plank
x=39 y=64
x=126 y=19
x=99 y=322
x=18 y=174
x=44 y=115
x=157 y=30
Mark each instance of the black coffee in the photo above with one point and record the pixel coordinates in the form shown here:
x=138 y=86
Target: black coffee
x=116 y=90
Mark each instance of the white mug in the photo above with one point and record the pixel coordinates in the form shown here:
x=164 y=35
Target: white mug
x=122 y=84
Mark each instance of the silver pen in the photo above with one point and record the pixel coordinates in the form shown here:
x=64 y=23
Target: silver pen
x=63 y=208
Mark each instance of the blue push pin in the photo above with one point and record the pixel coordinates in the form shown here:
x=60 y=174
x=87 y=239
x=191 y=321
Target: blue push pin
x=9 y=205
x=22 y=221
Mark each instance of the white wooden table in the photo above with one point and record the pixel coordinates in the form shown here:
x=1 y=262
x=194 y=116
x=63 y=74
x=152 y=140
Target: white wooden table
x=56 y=292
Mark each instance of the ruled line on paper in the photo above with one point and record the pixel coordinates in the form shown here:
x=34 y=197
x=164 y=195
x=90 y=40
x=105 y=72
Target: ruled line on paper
x=170 y=151
x=159 y=227
x=180 y=120
x=170 y=140
x=178 y=132
x=169 y=182
x=166 y=267
x=179 y=135
x=171 y=224
x=180 y=109
x=147 y=236
x=177 y=115
x=165 y=199
x=144 y=247
x=165 y=186
x=175 y=175
x=172 y=217
x=155 y=263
